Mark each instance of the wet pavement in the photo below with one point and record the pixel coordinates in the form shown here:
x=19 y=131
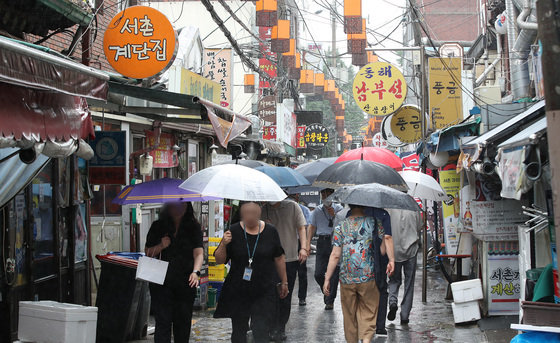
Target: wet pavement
x=429 y=322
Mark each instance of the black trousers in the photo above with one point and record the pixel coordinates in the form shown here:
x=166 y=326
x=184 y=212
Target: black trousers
x=380 y=268
x=324 y=249
x=284 y=306
x=172 y=309
x=302 y=277
x=260 y=318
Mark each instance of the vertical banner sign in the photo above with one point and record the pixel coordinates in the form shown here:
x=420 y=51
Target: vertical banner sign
x=108 y=165
x=450 y=181
x=379 y=88
x=140 y=42
x=267 y=108
x=300 y=137
x=269 y=132
x=446 y=103
x=286 y=124
x=504 y=286
x=218 y=66
x=163 y=154
x=265 y=63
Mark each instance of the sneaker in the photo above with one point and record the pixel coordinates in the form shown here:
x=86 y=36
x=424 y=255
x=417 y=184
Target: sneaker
x=302 y=302
x=404 y=321
x=329 y=307
x=381 y=332
x=392 y=312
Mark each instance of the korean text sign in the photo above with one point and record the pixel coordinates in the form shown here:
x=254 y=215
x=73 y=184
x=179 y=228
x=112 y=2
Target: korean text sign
x=300 y=137
x=504 y=285
x=450 y=181
x=406 y=124
x=108 y=165
x=379 y=88
x=446 y=104
x=316 y=136
x=218 y=66
x=163 y=154
x=140 y=42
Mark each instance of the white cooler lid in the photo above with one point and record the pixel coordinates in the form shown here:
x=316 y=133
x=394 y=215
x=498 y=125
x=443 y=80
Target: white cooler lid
x=53 y=310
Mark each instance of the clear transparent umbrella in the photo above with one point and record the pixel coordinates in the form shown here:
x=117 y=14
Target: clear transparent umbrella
x=423 y=186
x=233 y=181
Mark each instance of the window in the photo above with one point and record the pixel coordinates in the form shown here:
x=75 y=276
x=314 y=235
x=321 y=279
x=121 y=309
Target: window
x=43 y=223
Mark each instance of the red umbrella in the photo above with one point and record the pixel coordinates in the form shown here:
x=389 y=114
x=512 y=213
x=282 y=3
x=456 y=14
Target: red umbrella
x=380 y=155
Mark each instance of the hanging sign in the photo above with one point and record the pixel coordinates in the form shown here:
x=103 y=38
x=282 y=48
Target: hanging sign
x=218 y=66
x=267 y=108
x=378 y=141
x=379 y=88
x=446 y=103
x=387 y=133
x=163 y=153
x=140 y=42
x=406 y=124
x=316 y=136
x=108 y=165
x=269 y=132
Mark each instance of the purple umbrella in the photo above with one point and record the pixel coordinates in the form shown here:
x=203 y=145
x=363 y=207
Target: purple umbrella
x=158 y=191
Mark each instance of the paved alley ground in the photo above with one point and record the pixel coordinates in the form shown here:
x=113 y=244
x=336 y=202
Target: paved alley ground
x=429 y=322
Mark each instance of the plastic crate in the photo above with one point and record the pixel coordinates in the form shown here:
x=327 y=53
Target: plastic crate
x=217 y=273
x=540 y=314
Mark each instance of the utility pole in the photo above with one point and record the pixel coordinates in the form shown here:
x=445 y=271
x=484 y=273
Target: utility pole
x=333 y=63
x=548 y=18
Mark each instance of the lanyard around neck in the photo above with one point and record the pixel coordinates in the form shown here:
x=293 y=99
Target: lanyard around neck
x=247 y=241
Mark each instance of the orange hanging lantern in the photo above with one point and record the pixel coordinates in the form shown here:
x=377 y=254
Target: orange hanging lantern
x=360 y=59
x=280 y=37
x=307 y=81
x=352 y=16
x=249 y=83
x=319 y=83
x=267 y=12
x=357 y=41
x=372 y=57
x=289 y=57
x=294 y=71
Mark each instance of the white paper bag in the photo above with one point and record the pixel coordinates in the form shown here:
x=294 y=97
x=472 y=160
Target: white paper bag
x=151 y=270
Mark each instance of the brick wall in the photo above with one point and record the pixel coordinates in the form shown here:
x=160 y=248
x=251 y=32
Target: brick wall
x=450 y=20
x=62 y=41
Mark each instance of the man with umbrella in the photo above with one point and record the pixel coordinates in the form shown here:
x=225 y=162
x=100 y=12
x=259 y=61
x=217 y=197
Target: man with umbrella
x=322 y=223
x=290 y=222
x=405 y=225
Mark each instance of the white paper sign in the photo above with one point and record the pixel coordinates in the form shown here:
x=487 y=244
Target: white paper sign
x=497 y=220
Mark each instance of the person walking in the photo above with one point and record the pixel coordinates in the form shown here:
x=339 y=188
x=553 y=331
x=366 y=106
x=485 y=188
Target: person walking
x=302 y=269
x=249 y=292
x=353 y=247
x=322 y=224
x=405 y=225
x=175 y=237
x=288 y=219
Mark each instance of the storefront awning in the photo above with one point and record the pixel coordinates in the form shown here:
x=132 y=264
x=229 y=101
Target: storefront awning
x=526 y=136
x=37 y=115
x=505 y=129
x=23 y=65
x=448 y=138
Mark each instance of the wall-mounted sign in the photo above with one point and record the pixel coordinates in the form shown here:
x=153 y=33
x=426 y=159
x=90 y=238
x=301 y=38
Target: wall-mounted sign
x=267 y=108
x=163 y=154
x=300 y=137
x=218 y=66
x=108 y=165
x=316 y=136
x=446 y=103
x=196 y=85
x=266 y=63
x=406 y=124
x=378 y=141
x=140 y=42
x=379 y=88
x=269 y=132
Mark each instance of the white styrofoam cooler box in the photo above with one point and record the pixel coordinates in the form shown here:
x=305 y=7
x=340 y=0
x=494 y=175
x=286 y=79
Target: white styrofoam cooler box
x=54 y=322
x=465 y=291
x=465 y=312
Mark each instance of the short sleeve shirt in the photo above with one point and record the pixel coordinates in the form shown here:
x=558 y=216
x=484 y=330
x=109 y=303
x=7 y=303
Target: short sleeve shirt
x=287 y=218
x=355 y=236
x=320 y=218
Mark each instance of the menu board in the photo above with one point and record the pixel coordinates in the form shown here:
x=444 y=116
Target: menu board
x=497 y=220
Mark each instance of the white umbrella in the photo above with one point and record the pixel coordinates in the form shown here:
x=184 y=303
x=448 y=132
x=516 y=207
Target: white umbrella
x=423 y=186
x=233 y=181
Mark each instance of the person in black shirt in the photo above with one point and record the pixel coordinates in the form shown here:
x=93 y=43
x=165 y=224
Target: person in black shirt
x=251 y=286
x=177 y=238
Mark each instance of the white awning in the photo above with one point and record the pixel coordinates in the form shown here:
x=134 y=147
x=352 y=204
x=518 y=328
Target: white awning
x=526 y=136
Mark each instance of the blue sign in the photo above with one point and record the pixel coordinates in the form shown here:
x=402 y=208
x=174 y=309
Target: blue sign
x=109 y=148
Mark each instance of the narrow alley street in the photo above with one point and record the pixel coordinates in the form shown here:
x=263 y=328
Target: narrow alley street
x=430 y=322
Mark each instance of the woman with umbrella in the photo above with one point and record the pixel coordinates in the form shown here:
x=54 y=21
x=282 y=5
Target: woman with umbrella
x=257 y=262
x=175 y=237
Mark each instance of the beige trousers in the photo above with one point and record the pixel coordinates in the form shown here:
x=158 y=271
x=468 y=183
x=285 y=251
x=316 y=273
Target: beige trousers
x=360 y=302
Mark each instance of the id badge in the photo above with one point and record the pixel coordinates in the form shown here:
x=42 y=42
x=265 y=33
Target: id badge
x=247 y=274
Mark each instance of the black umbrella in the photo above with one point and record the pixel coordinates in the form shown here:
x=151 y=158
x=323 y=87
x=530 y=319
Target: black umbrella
x=248 y=163
x=374 y=195
x=359 y=172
